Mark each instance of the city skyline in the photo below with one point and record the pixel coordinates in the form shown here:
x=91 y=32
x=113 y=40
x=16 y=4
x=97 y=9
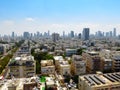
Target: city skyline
x=59 y=16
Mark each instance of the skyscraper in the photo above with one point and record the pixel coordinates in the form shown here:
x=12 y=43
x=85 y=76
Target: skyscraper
x=55 y=37
x=26 y=35
x=114 y=32
x=86 y=32
x=79 y=35
x=48 y=33
x=38 y=34
x=63 y=34
x=72 y=34
x=13 y=34
x=111 y=34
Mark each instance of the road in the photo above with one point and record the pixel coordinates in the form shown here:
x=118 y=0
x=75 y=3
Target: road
x=6 y=72
x=6 y=54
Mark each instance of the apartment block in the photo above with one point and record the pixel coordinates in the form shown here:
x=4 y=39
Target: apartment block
x=64 y=68
x=23 y=66
x=116 y=63
x=99 y=81
x=47 y=67
x=57 y=60
x=106 y=61
x=93 y=61
x=106 y=65
x=78 y=65
x=24 y=49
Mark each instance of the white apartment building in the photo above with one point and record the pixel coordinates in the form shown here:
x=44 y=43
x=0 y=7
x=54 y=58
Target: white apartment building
x=47 y=67
x=22 y=66
x=64 y=67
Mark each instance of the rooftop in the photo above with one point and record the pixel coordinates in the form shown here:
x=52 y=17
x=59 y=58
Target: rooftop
x=116 y=57
x=93 y=53
x=77 y=57
x=49 y=81
x=20 y=82
x=108 y=60
x=58 y=58
x=26 y=60
x=64 y=63
x=104 y=79
x=46 y=63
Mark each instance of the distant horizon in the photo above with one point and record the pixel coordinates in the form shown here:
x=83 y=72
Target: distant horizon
x=61 y=34
x=58 y=16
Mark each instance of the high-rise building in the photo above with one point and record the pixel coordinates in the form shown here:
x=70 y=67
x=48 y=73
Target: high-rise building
x=103 y=34
x=86 y=32
x=119 y=37
x=114 y=32
x=48 y=33
x=26 y=35
x=55 y=37
x=72 y=34
x=79 y=35
x=63 y=34
x=99 y=34
x=38 y=34
x=107 y=34
x=111 y=34
x=13 y=34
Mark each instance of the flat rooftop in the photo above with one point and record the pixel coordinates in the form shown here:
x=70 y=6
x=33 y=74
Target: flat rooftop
x=58 y=58
x=24 y=57
x=116 y=57
x=19 y=83
x=98 y=80
x=45 y=63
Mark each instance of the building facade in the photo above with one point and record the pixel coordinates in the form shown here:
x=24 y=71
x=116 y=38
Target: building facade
x=78 y=65
x=86 y=32
x=93 y=61
x=23 y=66
x=47 y=67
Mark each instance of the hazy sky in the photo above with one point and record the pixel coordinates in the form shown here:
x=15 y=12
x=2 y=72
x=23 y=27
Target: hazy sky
x=58 y=15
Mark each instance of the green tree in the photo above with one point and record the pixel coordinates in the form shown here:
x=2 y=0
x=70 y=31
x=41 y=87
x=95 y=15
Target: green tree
x=80 y=51
x=41 y=56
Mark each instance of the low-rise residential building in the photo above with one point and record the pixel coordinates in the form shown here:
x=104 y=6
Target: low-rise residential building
x=116 y=63
x=78 y=65
x=57 y=60
x=47 y=67
x=71 y=85
x=106 y=65
x=25 y=49
x=110 y=81
x=50 y=83
x=93 y=61
x=106 y=61
x=70 y=52
x=64 y=68
x=23 y=66
x=32 y=83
